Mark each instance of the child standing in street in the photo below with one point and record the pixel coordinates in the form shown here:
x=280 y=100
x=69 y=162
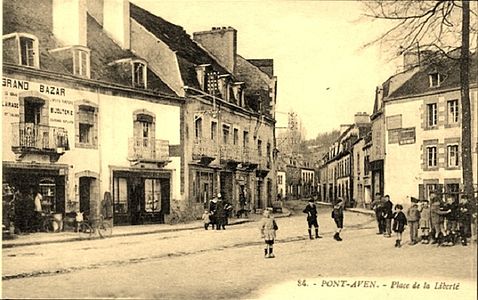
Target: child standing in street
x=338 y=216
x=425 y=221
x=413 y=216
x=268 y=229
x=399 y=222
x=206 y=217
x=311 y=211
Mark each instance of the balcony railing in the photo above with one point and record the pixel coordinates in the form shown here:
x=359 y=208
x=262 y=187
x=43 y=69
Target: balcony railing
x=231 y=153
x=250 y=156
x=204 y=149
x=148 y=149
x=27 y=137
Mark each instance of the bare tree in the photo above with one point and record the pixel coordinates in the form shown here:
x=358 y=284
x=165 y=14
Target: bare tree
x=440 y=25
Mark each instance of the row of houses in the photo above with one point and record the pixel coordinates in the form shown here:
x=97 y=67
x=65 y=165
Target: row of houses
x=411 y=144
x=103 y=97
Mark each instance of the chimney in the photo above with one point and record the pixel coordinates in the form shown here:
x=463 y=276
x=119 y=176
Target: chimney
x=116 y=21
x=95 y=9
x=361 y=118
x=221 y=43
x=69 y=21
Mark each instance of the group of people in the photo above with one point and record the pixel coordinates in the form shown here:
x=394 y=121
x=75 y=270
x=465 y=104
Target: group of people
x=444 y=223
x=25 y=210
x=268 y=226
x=218 y=213
x=337 y=215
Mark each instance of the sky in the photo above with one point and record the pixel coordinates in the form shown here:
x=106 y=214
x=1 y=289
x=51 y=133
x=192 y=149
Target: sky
x=323 y=72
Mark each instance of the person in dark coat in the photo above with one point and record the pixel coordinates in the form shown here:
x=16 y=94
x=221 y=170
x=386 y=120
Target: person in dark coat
x=376 y=205
x=311 y=211
x=451 y=221
x=212 y=211
x=338 y=216
x=399 y=222
x=387 y=215
x=464 y=219
x=220 y=214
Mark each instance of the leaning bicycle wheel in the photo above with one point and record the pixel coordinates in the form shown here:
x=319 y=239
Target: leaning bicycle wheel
x=85 y=231
x=105 y=230
x=46 y=225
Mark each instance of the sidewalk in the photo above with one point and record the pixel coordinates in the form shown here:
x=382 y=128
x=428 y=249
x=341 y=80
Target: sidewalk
x=355 y=209
x=121 y=231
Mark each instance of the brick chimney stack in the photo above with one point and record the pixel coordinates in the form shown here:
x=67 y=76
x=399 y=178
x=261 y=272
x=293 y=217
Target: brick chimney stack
x=221 y=42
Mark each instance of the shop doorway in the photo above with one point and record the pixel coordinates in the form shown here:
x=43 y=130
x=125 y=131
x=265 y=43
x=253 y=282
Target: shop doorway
x=141 y=198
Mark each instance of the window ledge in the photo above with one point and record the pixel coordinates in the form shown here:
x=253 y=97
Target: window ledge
x=453 y=168
x=452 y=125
x=431 y=169
x=86 y=146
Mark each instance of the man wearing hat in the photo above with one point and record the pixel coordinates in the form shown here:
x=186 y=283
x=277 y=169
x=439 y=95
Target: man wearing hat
x=311 y=211
x=413 y=219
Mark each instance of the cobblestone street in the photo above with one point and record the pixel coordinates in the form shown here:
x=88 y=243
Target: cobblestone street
x=230 y=264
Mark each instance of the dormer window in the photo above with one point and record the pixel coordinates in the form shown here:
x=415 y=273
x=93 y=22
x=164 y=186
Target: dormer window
x=27 y=52
x=132 y=70
x=81 y=62
x=139 y=75
x=21 y=48
x=212 y=85
x=435 y=79
x=76 y=59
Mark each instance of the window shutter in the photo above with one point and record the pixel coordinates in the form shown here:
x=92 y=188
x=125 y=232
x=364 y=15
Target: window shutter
x=421 y=192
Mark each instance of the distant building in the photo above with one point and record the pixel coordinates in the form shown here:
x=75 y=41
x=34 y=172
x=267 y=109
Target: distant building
x=337 y=177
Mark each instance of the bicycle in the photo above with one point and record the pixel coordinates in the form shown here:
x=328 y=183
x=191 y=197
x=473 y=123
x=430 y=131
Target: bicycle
x=86 y=229
x=46 y=222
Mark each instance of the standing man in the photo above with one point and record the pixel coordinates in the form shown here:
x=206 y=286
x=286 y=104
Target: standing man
x=37 y=215
x=311 y=211
x=387 y=212
x=376 y=205
x=220 y=214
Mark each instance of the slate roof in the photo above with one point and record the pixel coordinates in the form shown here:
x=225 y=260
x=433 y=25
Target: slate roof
x=189 y=53
x=265 y=64
x=257 y=82
x=24 y=16
x=448 y=68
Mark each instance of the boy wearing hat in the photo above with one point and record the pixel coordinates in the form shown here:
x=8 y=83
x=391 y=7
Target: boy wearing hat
x=311 y=211
x=413 y=218
x=425 y=221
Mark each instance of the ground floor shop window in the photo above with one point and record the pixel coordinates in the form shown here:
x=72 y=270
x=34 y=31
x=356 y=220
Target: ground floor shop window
x=152 y=195
x=120 y=195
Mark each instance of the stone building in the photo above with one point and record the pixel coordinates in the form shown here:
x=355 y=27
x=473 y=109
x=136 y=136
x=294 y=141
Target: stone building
x=103 y=96
x=84 y=116
x=422 y=133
